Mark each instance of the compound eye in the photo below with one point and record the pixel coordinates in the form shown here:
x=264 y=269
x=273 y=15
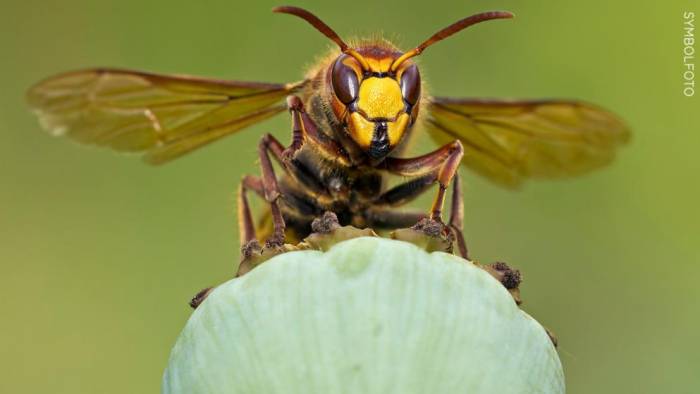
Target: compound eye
x=410 y=84
x=344 y=80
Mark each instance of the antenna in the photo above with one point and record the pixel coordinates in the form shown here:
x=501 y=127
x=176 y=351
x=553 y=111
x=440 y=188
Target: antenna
x=448 y=31
x=319 y=25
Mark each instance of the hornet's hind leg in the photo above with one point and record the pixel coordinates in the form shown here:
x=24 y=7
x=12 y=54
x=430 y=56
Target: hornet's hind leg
x=246 y=224
x=456 y=222
x=267 y=188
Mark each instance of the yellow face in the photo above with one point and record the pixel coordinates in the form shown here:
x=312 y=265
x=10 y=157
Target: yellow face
x=379 y=105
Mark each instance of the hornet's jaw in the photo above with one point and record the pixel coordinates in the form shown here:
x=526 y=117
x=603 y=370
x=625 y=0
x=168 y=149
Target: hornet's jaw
x=377 y=137
x=379 y=147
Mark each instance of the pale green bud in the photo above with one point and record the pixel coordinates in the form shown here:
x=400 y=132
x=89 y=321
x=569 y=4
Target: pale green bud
x=370 y=315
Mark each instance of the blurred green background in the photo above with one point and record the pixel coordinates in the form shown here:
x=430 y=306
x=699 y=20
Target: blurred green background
x=100 y=253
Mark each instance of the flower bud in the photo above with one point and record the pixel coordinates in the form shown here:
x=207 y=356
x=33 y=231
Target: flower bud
x=370 y=315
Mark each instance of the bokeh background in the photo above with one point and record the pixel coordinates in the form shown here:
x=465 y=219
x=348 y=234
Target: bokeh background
x=99 y=253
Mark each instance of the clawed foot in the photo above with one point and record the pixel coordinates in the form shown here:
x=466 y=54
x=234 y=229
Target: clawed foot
x=326 y=223
x=509 y=277
x=253 y=254
x=429 y=234
x=200 y=297
x=327 y=232
x=431 y=227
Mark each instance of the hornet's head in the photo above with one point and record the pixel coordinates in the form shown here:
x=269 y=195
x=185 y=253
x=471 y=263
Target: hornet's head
x=377 y=104
x=376 y=90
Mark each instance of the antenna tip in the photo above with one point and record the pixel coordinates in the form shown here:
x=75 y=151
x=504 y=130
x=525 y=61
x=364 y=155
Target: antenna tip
x=504 y=14
x=284 y=9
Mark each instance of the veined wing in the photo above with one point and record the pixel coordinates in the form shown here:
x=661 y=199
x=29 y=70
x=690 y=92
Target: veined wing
x=162 y=116
x=508 y=141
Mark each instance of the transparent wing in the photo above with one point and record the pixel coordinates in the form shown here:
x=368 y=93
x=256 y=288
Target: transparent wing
x=508 y=141
x=161 y=116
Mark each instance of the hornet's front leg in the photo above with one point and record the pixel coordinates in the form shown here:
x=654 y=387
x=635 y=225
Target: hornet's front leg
x=438 y=166
x=304 y=130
